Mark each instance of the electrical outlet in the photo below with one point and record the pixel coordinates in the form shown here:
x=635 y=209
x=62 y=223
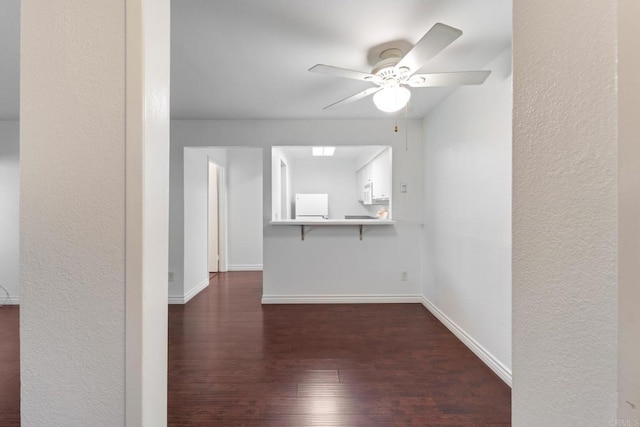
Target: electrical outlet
x=403 y=187
x=404 y=276
x=171 y=276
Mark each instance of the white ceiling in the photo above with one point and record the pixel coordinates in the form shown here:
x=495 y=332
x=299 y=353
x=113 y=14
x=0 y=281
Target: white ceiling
x=248 y=59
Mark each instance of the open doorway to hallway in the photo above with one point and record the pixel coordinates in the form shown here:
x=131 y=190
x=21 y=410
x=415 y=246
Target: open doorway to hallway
x=221 y=194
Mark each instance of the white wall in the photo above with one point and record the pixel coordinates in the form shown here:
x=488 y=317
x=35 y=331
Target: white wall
x=565 y=213
x=94 y=105
x=176 y=215
x=244 y=225
x=9 y=209
x=467 y=235
x=335 y=177
x=332 y=262
x=628 y=210
x=147 y=220
x=72 y=237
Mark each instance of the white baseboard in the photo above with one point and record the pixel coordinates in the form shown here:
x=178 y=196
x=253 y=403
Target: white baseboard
x=489 y=359
x=189 y=295
x=176 y=300
x=340 y=299
x=10 y=301
x=244 y=267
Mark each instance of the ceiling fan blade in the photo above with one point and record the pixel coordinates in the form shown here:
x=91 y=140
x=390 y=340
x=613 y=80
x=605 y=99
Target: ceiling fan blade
x=449 y=79
x=342 y=72
x=353 y=98
x=432 y=43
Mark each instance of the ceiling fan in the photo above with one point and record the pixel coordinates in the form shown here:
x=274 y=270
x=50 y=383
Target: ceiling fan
x=393 y=72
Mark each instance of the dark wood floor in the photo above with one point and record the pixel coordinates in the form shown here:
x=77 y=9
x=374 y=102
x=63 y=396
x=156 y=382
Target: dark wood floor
x=9 y=366
x=233 y=362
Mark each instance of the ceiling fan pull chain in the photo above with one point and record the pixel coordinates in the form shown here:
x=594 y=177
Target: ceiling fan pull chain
x=406 y=125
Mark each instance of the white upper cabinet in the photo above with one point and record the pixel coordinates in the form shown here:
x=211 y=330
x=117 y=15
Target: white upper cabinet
x=361 y=181
x=364 y=176
x=374 y=179
x=381 y=176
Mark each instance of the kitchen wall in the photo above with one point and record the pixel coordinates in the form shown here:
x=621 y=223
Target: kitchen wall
x=467 y=205
x=9 y=209
x=332 y=264
x=335 y=177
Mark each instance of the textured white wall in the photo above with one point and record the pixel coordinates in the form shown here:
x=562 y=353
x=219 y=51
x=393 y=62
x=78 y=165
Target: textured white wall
x=332 y=260
x=93 y=223
x=334 y=177
x=467 y=187
x=72 y=219
x=564 y=213
x=9 y=209
x=244 y=207
x=629 y=210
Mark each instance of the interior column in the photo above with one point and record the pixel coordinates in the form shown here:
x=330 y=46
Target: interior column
x=94 y=125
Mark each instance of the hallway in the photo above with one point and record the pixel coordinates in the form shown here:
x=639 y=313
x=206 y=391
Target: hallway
x=234 y=362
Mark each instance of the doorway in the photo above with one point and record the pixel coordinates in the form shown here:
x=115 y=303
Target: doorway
x=216 y=218
x=214 y=227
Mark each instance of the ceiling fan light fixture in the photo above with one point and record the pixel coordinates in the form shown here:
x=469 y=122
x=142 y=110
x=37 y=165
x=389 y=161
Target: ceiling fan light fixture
x=391 y=99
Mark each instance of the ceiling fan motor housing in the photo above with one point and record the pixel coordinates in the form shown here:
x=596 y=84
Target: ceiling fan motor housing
x=386 y=70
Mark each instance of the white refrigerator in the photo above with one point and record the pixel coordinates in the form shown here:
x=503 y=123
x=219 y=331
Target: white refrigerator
x=312 y=206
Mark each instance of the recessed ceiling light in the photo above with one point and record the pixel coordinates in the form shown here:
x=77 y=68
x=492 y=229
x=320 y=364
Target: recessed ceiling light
x=323 y=151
